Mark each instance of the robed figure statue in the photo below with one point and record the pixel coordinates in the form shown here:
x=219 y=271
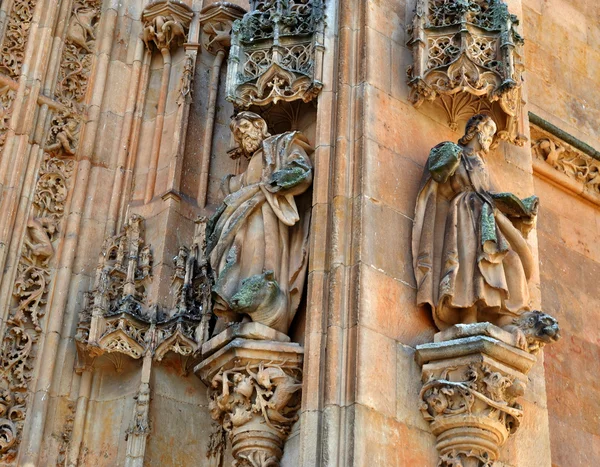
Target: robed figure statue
x=257 y=239
x=470 y=257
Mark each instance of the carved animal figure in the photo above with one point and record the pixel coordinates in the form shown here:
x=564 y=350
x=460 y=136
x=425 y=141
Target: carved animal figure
x=38 y=239
x=64 y=138
x=261 y=298
x=537 y=328
x=80 y=31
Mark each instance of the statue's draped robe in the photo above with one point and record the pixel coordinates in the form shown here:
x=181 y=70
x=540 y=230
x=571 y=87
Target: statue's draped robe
x=465 y=251
x=256 y=230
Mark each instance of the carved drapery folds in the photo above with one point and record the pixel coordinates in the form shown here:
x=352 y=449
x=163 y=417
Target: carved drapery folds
x=276 y=53
x=478 y=295
x=468 y=46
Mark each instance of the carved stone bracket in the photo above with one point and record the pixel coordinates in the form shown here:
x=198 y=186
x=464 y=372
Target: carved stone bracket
x=472 y=377
x=254 y=388
x=166 y=24
x=468 y=47
x=276 y=53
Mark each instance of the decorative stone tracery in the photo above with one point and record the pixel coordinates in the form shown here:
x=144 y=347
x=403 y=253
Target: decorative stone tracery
x=276 y=53
x=469 y=46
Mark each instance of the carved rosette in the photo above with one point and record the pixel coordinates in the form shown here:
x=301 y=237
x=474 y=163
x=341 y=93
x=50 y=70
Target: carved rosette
x=254 y=389
x=469 y=47
x=472 y=377
x=276 y=53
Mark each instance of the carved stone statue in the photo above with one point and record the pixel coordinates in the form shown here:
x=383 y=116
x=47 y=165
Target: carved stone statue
x=470 y=257
x=257 y=239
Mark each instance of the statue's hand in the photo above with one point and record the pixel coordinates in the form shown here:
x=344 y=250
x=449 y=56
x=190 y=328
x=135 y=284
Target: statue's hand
x=286 y=178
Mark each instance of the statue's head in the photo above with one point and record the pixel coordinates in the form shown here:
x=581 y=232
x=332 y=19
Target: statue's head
x=479 y=133
x=249 y=130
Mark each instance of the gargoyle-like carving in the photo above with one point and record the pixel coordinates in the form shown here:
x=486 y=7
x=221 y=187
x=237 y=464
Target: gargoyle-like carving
x=276 y=53
x=254 y=276
x=485 y=262
x=257 y=399
x=165 y=24
x=34 y=270
x=566 y=159
x=538 y=330
x=467 y=47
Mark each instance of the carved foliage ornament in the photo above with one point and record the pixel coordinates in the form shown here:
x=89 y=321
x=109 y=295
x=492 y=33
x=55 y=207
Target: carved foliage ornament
x=467 y=46
x=260 y=399
x=276 y=53
x=565 y=158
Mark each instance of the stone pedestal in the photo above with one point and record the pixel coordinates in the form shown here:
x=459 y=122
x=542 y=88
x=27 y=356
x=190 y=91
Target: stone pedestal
x=472 y=376
x=254 y=379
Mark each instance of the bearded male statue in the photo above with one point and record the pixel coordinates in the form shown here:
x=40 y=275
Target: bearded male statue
x=257 y=239
x=471 y=260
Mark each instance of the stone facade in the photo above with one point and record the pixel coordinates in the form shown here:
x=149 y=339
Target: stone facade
x=262 y=233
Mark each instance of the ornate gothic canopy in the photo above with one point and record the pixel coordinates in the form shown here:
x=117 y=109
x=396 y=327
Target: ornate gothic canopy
x=467 y=46
x=276 y=53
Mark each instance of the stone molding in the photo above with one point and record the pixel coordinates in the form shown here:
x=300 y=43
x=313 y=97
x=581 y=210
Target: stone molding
x=166 y=24
x=565 y=165
x=276 y=53
x=466 y=57
x=117 y=317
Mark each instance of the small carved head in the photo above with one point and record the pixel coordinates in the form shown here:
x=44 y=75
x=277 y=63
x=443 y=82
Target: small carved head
x=482 y=127
x=539 y=329
x=249 y=130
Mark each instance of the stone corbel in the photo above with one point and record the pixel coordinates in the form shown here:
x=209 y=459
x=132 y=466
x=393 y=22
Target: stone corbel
x=254 y=379
x=216 y=21
x=472 y=376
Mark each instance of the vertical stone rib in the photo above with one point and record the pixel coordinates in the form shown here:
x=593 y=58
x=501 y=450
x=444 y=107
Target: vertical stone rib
x=32 y=442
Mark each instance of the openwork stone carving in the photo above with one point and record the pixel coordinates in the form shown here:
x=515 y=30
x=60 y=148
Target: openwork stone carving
x=254 y=388
x=471 y=47
x=276 y=53
x=12 y=52
x=576 y=165
x=117 y=316
x=166 y=24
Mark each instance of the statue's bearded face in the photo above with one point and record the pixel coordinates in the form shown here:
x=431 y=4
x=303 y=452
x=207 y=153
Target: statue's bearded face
x=486 y=134
x=249 y=136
